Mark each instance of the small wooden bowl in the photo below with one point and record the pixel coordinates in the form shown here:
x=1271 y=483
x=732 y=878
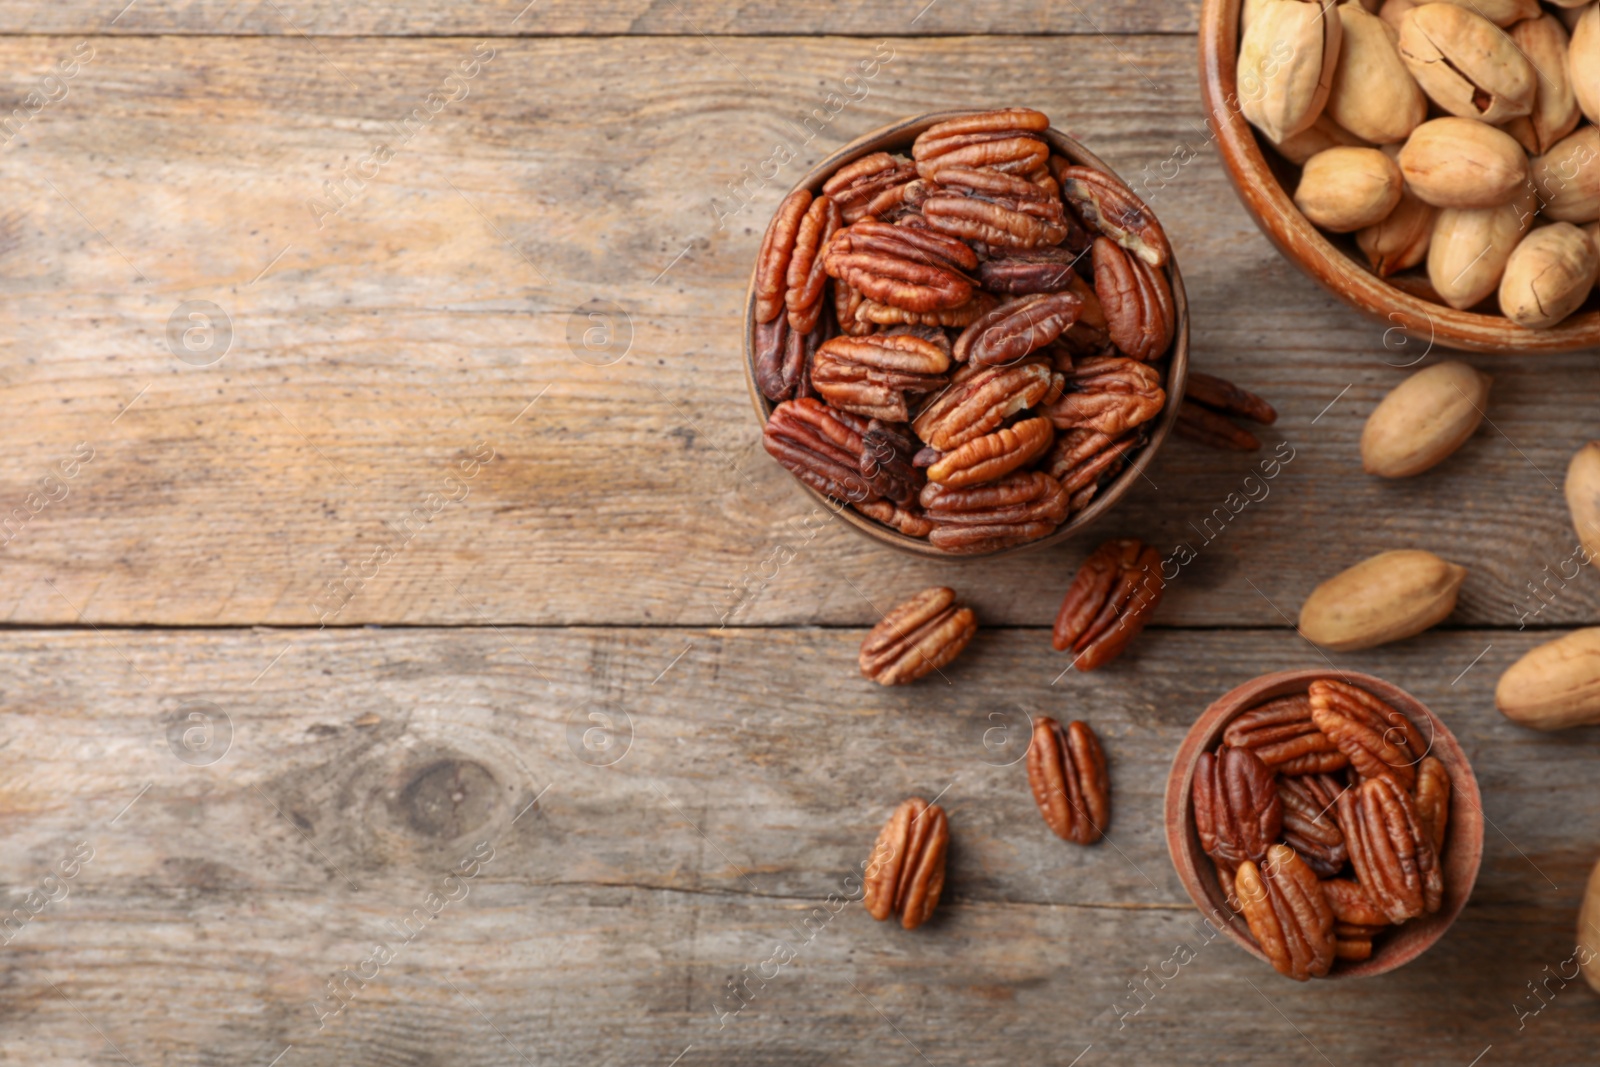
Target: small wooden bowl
x=1261 y=181
x=1463 y=847
x=898 y=138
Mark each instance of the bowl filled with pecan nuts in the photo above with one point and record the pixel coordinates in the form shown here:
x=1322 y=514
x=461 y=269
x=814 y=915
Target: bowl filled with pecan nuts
x=1327 y=821
x=1434 y=164
x=965 y=335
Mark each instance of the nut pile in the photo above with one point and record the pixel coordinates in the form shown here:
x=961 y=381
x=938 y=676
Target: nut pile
x=1459 y=135
x=967 y=344
x=1326 y=819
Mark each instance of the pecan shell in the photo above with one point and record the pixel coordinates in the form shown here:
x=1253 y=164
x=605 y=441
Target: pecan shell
x=820 y=446
x=1390 y=849
x=1287 y=913
x=917 y=637
x=806 y=278
x=1017 y=328
x=1433 y=800
x=772 y=263
x=908 y=520
x=993 y=455
x=857 y=186
x=1136 y=300
x=906 y=872
x=1283 y=734
x=1108 y=603
x=1238 y=813
x=979 y=399
x=1110 y=394
x=1003 y=140
x=1108 y=206
x=1379 y=740
x=871 y=376
x=1018 y=508
x=1067 y=773
x=1309 y=824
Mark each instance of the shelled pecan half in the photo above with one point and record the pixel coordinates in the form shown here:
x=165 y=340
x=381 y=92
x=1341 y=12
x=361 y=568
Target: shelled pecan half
x=856 y=185
x=1283 y=734
x=1353 y=942
x=1208 y=401
x=1017 y=329
x=917 y=637
x=956 y=318
x=1352 y=905
x=1287 y=913
x=807 y=281
x=1380 y=741
x=1021 y=271
x=885 y=463
x=847 y=304
x=994 y=455
x=999 y=210
x=1230 y=889
x=820 y=446
x=906 y=872
x=1083 y=460
x=1309 y=824
x=1014 y=510
x=979 y=399
x=777 y=247
x=908 y=268
x=1112 y=208
x=1238 y=813
x=1110 y=394
x=872 y=376
x=1005 y=140
x=1137 y=302
x=1067 y=773
x=1433 y=800
x=908 y=520
x=1390 y=849
x=1108 y=603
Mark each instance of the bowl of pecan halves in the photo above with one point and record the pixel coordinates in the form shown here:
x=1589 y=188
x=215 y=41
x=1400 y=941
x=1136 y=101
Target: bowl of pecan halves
x=964 y=334
x=1327 y=821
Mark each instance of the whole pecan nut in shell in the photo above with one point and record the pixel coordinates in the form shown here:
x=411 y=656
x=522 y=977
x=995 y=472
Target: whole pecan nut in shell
x=1283 y=734
x=1288 y=915
x=1390 y=849
x=1019 y=508
x=1379 y=740
x=917 y=638
x=1238 y=813
x=1067 y=773
x=1112 y=208
x=1136 y=300
x=1108 y=603
x=906 y=872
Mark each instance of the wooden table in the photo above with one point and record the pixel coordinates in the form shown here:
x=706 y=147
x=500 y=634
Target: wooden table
x=374 y=606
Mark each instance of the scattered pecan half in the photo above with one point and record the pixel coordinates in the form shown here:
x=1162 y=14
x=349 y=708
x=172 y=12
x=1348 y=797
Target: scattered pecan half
x=1136 y=300
x=1020 y=271
x=1110 y=394
x=1287 y=913
x=1107 y=205
x=772 y=264
x=1433 y=800
x=908 y=520
x=1083 y=460
x=1004 y=140
x=979 y=399
x=1390 y=849
x=917 y=637
x=1017 y=328
x=1067 y=772
x=855 y=186
x=820 y=446
x=1237 y=811
x=993 y=455
x=1379 y=740
x=1108 y=603
x=999 y=210
x=1283 y=734
x=1018 y=508
x=909 y=268
x=807 y=280
x=872 y=375
x=1309 y=824
x=1208 y=401
x=906 y=871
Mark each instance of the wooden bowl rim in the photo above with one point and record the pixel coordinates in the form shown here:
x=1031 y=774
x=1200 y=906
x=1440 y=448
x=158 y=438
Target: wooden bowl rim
x=1308 y=248
x=899 y=135
x=1463 y=852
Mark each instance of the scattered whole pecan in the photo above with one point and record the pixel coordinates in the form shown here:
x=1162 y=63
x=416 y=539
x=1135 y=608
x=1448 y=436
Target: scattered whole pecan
x=1067 y=773
x=994 y=455
x=772 y=264
x=1287 y=913
x=1390 y=849
x=1208 y=401
x=1105 y=204
x=1309 y=824
x=1283 y=734
x=998 y=210
x=872 y=376
x=906 y=872
x=820 y=446
x=917 y=637
x=1380 y=741
x=1017 y=328
x=807 y=280
x=1021 y=271
x=1018 y=508
x=1110 y=394
x=979 y=399
x=1006 y=140
x=855 y=187
x=1108 y=603
x=1433 y=800
x=1238 y=813
x=912 y=269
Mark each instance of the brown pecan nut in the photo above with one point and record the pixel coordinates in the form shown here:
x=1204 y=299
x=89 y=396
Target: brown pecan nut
x=1283 y=734
x=978 y=399
x=777 y=247
x=1352 y=905
x=1230 y=890
x=1067 y=772
x=1017 y=328
x=993 y=455
x=999 y=210
x=1205 y=427
x=1021 y=271
x=807 y=280
x=1393 y=856
x=847 y=304
x=885 y=463
x=855 y=186
x=784 y=358
x=956 y=318
x=1136 y=300
x=906 y=871
x=909 y=268
x=908 y=520
x=1309 y=825
x=1108 y=206
x=1083 y=460
x=1019 y=508
x=871 y=376
x=1379 y=740
x=917 y=637
x=1433 y=800
x=1109 y=394
x=1287 y=913
x=820 y=446
x=1005 y=140
x=1237 y=811
x=1353 y=943
x=1108 y=603
x=1223 y=396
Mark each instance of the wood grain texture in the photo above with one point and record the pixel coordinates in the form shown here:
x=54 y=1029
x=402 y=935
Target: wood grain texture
x=364 y=765
x=369 y=356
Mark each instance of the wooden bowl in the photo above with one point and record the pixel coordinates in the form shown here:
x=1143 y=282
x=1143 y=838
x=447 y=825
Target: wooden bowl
x=1463 y=847
x=1260 y=176
x=897 y=138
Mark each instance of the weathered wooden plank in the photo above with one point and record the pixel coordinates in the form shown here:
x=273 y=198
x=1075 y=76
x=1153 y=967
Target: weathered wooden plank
x=429 y=317
x=676 y=18
x=364 y=766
